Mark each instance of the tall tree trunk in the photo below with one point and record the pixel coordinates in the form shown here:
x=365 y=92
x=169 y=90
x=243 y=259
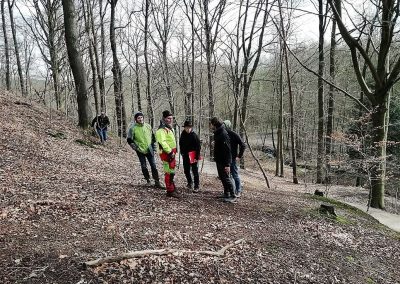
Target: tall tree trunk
x=150 y=111
x=279 y=153
x=117 y=76
x=137 y=81
x=321 y=114
x=17 y=56
x=379 y=138
x=331 y=102
x=6 y=47
x=75 y=61
x=291 y=103
x=102 y=72
x=91 y=44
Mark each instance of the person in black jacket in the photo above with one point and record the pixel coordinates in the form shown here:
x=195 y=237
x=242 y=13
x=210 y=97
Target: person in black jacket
x=100 y=123
x=223 y=158
x=189 y=144
x=236 y=141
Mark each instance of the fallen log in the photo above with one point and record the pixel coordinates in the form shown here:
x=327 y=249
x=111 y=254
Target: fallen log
x=142 y=253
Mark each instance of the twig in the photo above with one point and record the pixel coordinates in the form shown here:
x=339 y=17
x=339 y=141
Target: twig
x=141 y=253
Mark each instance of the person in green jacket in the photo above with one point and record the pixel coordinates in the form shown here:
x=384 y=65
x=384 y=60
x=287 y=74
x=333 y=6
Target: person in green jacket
x=165 y=137
x=141 y=139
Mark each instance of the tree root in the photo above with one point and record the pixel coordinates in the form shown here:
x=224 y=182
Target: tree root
x=142 y=253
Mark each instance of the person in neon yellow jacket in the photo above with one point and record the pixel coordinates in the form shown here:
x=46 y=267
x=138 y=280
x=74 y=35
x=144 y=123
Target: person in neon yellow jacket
x=165 y=137
x=142 y=140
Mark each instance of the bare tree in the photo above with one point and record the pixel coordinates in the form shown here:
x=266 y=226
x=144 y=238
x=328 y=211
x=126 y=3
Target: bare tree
x=91 y=44
x=75 y=61
x=47 y=30
x=163 y=14
x=150 y=111
x=16 y=47
x=290 y=91
x=384 y=75
x=6 y=47
x=117 y=76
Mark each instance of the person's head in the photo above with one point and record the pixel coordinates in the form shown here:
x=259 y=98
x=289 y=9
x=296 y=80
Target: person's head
x=188 y=126
x=228 y=124
x=167 y=117
x=215 y=123
x=139 y=117
x=102 y=114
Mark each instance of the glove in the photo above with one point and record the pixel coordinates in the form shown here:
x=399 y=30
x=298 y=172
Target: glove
x=171 y=156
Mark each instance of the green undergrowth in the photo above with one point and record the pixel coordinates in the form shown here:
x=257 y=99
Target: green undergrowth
x=338 y=204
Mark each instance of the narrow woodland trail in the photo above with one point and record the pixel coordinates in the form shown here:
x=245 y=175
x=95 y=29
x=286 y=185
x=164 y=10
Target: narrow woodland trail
x=357 y=197
x=74 y=211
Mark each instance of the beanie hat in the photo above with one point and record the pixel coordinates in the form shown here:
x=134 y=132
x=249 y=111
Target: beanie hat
x=188 y=123
x=228 y=124
x=139 y=113
x=166 y=113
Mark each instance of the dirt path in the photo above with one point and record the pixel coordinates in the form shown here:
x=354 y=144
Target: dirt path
x=356 y=197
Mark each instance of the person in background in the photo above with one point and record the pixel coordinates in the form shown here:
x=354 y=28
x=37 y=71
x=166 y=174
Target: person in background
x=100 y=124
x=165 y=137
x=236 y=142
x=223 y=158
x=189 y=146
x=142 y=140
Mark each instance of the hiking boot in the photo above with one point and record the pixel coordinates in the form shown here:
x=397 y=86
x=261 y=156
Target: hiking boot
x=223 y=196
x=189 y=186
x=238 y=194
x=157 y=184
x=148 y=182
x=196 y=189
x=230 y=200
x=173 y=194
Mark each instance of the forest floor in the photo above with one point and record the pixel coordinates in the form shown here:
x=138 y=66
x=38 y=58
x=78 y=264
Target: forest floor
x=66 y=200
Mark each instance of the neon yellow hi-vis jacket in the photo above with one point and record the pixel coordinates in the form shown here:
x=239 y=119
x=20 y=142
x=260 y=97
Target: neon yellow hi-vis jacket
x=142 y=136
x=165 y=138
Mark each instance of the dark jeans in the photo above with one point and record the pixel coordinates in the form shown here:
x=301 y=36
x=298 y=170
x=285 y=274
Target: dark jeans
x=195 y=170
x=102 y=134
x=143 y=165
x=226 y=180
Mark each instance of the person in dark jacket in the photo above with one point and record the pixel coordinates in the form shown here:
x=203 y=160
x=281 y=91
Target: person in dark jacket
x=100 y=123
x=189 y=145
x=223 y=158
x=236 y=142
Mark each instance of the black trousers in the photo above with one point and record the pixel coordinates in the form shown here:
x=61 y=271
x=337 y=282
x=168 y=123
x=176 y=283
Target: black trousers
x=226 y=181
x=143 y=165
x=195 y=170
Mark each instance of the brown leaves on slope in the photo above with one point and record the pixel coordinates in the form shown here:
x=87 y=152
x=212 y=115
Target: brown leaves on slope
x=64 y=203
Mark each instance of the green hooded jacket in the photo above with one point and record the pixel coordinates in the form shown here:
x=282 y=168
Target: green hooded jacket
x=142 y=136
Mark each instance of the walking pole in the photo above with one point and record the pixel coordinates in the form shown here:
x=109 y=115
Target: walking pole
x=204 y=157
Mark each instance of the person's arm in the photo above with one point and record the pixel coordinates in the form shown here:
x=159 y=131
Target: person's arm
x=130 y=138
x=242 y=146
x=94 y=121
x=227 y=151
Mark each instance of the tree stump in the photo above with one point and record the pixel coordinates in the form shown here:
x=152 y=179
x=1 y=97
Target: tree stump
x=327 y=210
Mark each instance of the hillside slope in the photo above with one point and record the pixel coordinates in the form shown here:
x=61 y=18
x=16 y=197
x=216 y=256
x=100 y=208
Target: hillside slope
x=64 y=203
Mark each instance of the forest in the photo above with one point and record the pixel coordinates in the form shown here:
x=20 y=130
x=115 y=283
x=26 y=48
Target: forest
x=331 y=98
x=310 y=86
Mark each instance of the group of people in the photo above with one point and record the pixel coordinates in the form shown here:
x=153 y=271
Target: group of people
x=228 y=149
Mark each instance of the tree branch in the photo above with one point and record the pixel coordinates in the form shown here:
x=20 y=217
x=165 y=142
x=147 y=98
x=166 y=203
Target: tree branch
x=142 y=253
